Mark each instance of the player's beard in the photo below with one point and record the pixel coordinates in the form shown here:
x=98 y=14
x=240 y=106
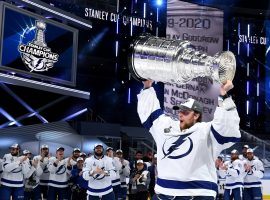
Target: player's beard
x=15 y=154
x=98 y=154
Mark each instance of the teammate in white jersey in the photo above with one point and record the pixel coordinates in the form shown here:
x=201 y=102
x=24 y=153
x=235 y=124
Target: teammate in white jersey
x=234 y=173
x=99 y=171
x=124 y=174
x=14 y=168
x=117 y=164
x=43 y=159
x=60 y=170
x=187 y=149
x=254 y=173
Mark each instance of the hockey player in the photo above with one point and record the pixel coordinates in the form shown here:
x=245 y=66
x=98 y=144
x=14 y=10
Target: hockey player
x=75 y=155
x=254 y=173
x=31 y=182
x=124 y=174
x=99 y=171
x=60 y=169
x=116 y=180
x=79 y=185
x=43 y=159
x=188 y=146
x=139 y=180
x=234 y=170
x=14 y=168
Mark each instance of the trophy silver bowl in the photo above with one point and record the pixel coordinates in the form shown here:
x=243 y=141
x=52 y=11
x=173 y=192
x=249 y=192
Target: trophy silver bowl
x=177 y=61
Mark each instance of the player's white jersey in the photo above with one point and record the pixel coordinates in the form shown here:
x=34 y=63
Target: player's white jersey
x=99 y=184
x=59 y=174
x=234 y=174
x=124 y=173
x=186 y=159
x=44 y=177
x=254 y=176
x=14 y=170
x=117 y=164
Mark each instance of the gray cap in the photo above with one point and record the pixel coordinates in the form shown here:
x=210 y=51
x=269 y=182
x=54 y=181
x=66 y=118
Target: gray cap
x=190 y=104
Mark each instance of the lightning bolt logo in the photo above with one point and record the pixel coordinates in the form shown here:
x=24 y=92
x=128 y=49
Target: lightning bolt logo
x=177 y=145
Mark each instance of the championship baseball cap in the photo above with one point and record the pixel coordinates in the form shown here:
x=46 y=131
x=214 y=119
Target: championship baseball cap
x=234 y=151
x=76 y=149
x=109 y=148
x=139 y=161
x=246 y=146
x=98 y=144
x=80 y=158
x=44 y=146
x=155 y=155
x=60 y=148
x=190 y=104
x=82 y=154
x=26 y=152
x=249 y=150
x=119 y=151
x=15 y=146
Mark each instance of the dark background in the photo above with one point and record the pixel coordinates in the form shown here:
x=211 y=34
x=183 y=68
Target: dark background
x=113 y=92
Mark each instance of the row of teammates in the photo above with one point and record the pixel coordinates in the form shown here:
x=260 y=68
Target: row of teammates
x=240 y=177
x=76 y=177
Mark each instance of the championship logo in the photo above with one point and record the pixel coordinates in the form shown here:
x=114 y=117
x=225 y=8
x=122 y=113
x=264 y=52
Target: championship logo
x=36 y=55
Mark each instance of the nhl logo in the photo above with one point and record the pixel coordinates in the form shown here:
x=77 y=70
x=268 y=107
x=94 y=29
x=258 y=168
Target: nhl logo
x=36 y=55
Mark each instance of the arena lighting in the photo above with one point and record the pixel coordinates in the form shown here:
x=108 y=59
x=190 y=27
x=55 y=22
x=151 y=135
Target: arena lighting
x=238 y=45
x=248 y=32
x=74 y=114
x=23 y=103
x=57 y=13
x=9 y=117
x=247 y=87
x=128 y=95
x=159 y=2
x=6 y=78
x=247 y=106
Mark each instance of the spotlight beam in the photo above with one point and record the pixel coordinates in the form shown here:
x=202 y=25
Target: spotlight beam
x=9 y=117
x=22 y=102
x=74 y=114
x=30 y=114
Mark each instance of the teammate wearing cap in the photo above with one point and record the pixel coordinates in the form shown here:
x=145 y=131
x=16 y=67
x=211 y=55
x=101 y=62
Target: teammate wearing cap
x=188 y=146
x=43 y=159
x=124 y=173
x=254 y=173
x=83 y=155
x=59 y=168
x=99 y=171
x=117 y=164
x=243 y=156
x=75 y=156
x=233 y=170
x=14 y=168
x=32 y=178
x=139 y=180
x=79 y=185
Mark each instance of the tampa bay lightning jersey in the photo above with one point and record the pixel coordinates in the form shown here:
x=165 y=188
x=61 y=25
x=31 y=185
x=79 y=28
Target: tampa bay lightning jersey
x=186 y=159
x=124 y=173
x=60 y=174
x=254 y=176
x=99 y=184
x=234 y=175
x=117 y=164
x=44 y=177
x=13 y=170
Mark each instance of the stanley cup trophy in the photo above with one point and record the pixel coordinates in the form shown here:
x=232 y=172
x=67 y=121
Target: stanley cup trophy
x=176 y=61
